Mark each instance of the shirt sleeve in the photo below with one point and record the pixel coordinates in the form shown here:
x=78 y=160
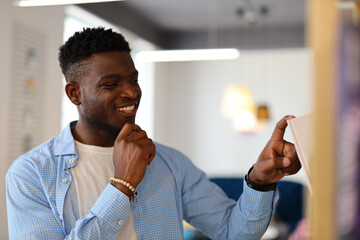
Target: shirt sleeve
x=110 y=211
x=33 y=215
x=207 y=207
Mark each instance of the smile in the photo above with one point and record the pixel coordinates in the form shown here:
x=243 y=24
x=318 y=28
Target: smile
x=126 y=109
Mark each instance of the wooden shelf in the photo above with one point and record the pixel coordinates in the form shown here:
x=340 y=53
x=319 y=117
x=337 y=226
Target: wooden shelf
x=322 y=32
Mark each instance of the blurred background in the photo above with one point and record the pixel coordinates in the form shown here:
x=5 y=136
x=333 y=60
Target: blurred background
x=186 y=103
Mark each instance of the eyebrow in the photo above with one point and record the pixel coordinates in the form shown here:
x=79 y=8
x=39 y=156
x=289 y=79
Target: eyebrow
x=118 y=76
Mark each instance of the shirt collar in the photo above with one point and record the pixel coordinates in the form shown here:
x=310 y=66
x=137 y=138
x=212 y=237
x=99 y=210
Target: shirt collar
x=64 y=143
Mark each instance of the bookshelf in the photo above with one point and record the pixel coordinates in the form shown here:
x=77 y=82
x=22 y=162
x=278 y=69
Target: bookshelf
x=322 y=38
x=324 y=20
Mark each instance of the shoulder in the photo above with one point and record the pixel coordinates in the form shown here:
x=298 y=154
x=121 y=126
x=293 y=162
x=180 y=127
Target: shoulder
x=35 y=159
x=44 y=156
x=184 y=171
x=170 y=154
x=167 y=151
x=174 y=159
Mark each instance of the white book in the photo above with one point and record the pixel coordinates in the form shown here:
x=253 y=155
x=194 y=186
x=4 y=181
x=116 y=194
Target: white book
x=302 y=131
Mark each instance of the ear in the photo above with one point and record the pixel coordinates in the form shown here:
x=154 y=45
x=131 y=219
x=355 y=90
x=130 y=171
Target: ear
x=72 y=90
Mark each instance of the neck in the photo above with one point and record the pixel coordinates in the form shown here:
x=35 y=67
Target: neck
x=93 y=136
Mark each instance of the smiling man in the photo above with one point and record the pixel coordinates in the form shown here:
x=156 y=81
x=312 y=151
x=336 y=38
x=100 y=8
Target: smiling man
x=103 y=178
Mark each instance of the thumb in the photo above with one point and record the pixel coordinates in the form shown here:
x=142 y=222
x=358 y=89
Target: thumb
x=279 y=130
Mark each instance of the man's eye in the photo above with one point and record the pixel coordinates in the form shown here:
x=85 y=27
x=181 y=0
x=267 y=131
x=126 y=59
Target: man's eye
x=109 y=85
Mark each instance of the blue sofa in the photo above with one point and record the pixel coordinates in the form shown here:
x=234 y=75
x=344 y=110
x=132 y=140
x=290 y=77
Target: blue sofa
x=289 y=210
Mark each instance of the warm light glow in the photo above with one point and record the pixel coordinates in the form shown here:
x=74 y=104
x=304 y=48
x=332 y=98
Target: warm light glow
x=237 y=98
x=238 y=106
x=32 y=3
x=187 y=55
x=244 y=121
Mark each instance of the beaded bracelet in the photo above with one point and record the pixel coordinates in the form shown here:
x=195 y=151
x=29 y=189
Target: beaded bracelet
x=126 y=184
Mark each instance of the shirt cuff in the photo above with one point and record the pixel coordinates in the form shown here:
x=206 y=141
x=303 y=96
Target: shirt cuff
x=256 y=202
x=112 y=208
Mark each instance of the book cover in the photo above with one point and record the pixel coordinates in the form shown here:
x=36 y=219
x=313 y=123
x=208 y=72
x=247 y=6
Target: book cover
x=302 y=131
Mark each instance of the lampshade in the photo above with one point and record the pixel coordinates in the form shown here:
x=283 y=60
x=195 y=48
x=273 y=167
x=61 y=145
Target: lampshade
x=237 y=99
x=263 y=112
x=244 y=121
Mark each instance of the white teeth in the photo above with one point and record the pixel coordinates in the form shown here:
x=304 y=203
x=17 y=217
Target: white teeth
x=127 y=108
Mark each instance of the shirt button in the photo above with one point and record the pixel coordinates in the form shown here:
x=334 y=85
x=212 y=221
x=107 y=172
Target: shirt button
x=71 y=161
x=120 y=222
x=64 y=180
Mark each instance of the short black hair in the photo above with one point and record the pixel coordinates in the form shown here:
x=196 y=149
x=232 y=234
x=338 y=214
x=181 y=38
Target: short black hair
x=83 y=44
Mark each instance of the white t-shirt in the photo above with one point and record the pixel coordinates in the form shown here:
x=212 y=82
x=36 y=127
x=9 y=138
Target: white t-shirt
x=91 y=175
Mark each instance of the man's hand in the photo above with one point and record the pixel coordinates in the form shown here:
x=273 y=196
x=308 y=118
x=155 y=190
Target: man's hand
x=278 y=158
x=133 y=152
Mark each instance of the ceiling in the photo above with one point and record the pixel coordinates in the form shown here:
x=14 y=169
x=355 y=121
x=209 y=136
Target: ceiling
x=200 y=14
x=210 y=23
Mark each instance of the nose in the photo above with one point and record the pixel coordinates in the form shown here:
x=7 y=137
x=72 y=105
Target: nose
x=129 y=90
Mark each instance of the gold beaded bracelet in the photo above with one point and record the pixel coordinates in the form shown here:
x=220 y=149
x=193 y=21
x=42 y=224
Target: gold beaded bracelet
x=126 y=184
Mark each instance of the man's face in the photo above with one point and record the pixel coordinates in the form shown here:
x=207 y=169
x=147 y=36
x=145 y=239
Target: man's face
x=110 y=93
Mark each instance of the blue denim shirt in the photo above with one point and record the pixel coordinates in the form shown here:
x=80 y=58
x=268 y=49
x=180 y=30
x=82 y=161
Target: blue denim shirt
x=42 y=201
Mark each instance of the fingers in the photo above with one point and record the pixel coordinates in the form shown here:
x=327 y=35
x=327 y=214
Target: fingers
x=135 y=136
x=293 y=168
x=127 y=129
x=133 y=133
x=278 y=158
x=289 y=150
x=269 y=170
x=148 y=146
x=270 y=165
x=152 y=153
x=286 y=165
x=279 y=130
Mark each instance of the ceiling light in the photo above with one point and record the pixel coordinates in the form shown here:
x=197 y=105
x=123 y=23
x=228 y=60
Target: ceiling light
x=236 y=98
x=238 y=106
x=187 y=55
x=33 y=3
x=244 y=121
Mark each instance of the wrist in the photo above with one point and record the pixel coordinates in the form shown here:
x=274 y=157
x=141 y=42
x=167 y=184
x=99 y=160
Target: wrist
x=125 y=187
x=258 y=186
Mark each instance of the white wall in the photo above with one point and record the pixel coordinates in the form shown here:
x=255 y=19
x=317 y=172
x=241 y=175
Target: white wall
x=188 y=98
x=49 y=22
